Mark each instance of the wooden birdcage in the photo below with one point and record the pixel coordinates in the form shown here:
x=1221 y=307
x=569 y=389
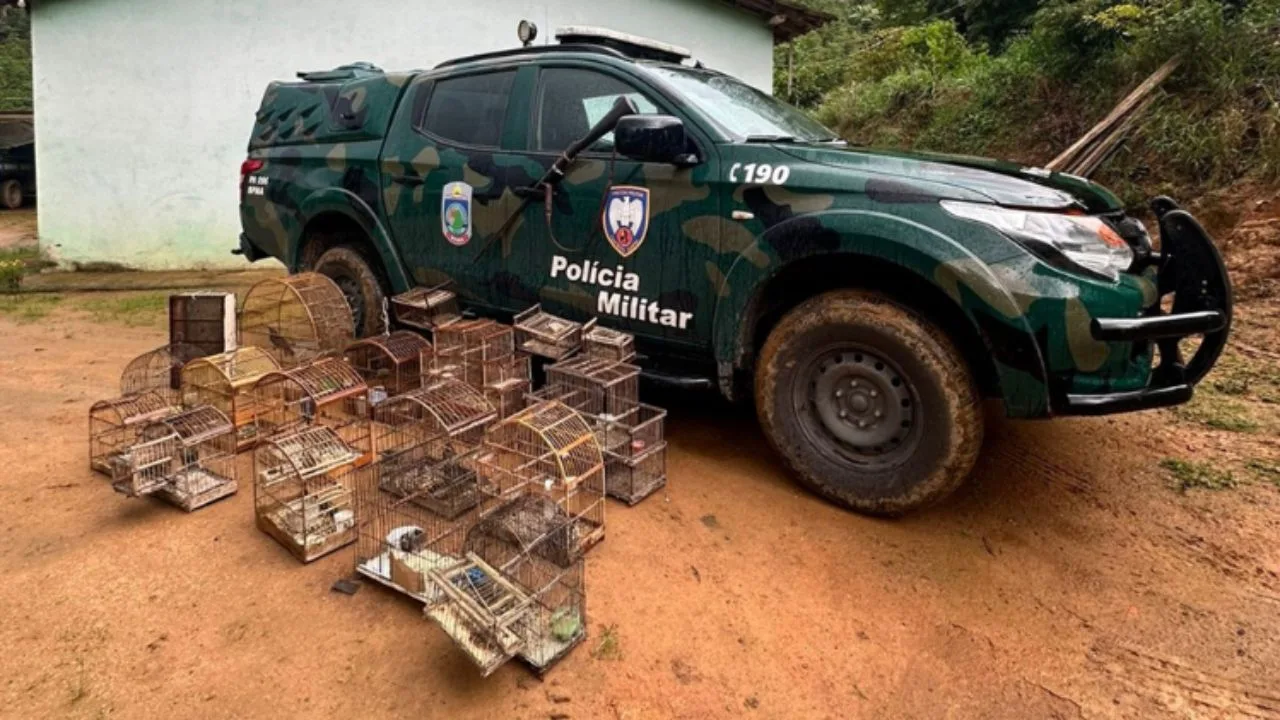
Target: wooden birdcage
x=515 y=589
x=544 y=334
x=604 y=343
x=297 y=318
x=302 y=491
x=468 y=350
x=188 y=459
x=551 y=450
x=225 y=381
x=425 y=308
x=326 y=392
x=507 y=382
x=115 y=425
x=613 y=386
x=392 y=361
x=449 y=415
x=160 y=371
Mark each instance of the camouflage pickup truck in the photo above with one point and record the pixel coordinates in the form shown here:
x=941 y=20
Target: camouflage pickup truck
x=865 y=300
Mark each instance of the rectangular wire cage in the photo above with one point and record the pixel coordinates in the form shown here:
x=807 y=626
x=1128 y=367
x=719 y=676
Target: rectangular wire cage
x=392 y=362
x=604 y=343
x=327 y=392
x=548 y=450
x=303 y=491
x=188 y=459
x=612 y=386
x=225 y=381
x=116 y=424
x=468 y=349
x=541 y=333
x=425 y=308
x=506 y=383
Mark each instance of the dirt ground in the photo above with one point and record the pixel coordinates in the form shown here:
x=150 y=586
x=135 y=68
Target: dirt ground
x=1070 y=578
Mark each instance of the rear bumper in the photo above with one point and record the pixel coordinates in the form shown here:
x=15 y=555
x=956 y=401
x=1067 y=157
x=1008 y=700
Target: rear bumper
x=248 y=249
x=1191 y=269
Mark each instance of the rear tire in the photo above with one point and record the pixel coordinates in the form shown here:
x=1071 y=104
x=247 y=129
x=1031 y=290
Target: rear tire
x=871 y=405
x=361 y=283
x=11 y=194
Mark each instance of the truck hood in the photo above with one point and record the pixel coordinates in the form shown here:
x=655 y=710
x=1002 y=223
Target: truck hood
x=1003 y=183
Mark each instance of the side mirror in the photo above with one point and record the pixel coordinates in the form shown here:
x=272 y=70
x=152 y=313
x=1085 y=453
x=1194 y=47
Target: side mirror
x=653 y=138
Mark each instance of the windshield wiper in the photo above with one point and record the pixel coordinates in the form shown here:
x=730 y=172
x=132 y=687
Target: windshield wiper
x=770 y=138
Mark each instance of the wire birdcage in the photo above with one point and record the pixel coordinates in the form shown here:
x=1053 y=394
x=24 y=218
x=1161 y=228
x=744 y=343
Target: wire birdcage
x=606 y=344
x=302 y=491
x=614 y=386
x=541 y=333
x=159 y=370
x=548 y=449
x=297 y=318
x=225 y=381
x=425 y=308
x=188 y=459
x=506 y=383
x=392 y=361
x=468 y=349
x=115 y=425
x=517 y=589
x=449 y=414
x=327 y=392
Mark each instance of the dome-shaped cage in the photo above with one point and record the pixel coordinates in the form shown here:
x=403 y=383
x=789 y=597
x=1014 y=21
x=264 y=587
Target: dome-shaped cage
x=302 y=491
x=449 y=415
x=225 y=381
x=159 y=370
x=188 y=459
x=392 y=361
x=297 y=318
x=326 y=392
x=117 y=424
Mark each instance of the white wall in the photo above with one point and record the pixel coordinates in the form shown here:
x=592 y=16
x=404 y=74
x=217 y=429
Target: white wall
x=144 y=107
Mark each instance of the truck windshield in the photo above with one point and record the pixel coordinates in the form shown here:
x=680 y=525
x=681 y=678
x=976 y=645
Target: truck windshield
x=740 y=109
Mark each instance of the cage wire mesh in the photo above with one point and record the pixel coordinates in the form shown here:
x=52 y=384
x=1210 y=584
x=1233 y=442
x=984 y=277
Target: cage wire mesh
x=449 y=414
x=226 y=381
x=425 y=308
x=302 y=491
x=541 y=333
x=327 y=392
x=160 y=371
x=604 y=343
x=117 y=424
x=613 y=386
x=392 y=362
x=188 y=459
x=297 y=318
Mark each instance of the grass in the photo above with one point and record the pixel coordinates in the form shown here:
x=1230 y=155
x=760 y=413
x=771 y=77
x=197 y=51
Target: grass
x=131 y=309
x=610 y=646
x=1213 y=410
x=1267 y=470
x=28 y=308
x=1186 y=475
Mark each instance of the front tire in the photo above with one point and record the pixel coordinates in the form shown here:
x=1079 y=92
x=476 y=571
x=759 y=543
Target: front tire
x=361 y=284
x=871 y=405
x=11 y=194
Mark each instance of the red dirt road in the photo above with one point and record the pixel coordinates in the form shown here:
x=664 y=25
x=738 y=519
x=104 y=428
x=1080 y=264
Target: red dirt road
x=1066 y=580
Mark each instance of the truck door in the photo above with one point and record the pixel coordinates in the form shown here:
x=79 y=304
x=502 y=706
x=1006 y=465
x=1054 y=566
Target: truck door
x=628 y=242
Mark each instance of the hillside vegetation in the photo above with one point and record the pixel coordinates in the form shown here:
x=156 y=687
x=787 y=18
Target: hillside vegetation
x=1022 y=79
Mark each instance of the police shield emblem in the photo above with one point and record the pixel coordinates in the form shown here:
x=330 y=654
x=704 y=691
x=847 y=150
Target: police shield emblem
x=455 y=213
x=626 y=218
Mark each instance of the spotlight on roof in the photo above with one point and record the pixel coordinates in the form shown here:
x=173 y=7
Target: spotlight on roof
x=527 y=32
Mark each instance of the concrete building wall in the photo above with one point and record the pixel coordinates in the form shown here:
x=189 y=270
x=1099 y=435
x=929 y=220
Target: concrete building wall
x=144 y=107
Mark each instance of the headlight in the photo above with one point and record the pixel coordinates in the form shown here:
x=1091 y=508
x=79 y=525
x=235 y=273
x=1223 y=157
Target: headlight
x=1079 y=243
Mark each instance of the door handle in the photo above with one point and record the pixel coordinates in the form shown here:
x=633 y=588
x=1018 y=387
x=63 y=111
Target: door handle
x=408 y=179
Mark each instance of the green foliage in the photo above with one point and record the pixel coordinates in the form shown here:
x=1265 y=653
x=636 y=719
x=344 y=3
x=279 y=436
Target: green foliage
x=1023 y=79
x=15 y=59
x=1185 y=475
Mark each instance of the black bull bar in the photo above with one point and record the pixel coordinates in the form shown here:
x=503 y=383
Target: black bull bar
x=1191 y=268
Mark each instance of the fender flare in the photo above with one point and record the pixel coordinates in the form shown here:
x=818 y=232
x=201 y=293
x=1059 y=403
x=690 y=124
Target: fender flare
x=348 y=204
x=911 y=246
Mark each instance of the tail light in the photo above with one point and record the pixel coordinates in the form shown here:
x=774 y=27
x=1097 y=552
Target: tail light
x=250 y=166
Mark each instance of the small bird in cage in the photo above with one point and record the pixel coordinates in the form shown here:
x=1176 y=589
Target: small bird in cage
x=279 y=342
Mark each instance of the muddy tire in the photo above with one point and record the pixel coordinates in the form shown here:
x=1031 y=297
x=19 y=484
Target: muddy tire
x=361 y=282
x=871 y=405
x=11 y=194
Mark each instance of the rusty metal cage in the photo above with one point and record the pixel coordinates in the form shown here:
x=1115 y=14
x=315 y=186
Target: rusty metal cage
x=115 y=425
x=188 y=459
x=541 y=333
x=514 y=588
x=297 y=318
x=449 y=414
x=392 y=361
x=302 y=491
x=425 y=308
x=160 y=371
x=606 y=344
x=612 y=386
x=548 y=449
x=327 y=392
x=225 y=381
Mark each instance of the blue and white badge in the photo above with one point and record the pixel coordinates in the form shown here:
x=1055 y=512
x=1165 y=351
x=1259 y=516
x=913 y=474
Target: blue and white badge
x=626 y=218
x=455 y=213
